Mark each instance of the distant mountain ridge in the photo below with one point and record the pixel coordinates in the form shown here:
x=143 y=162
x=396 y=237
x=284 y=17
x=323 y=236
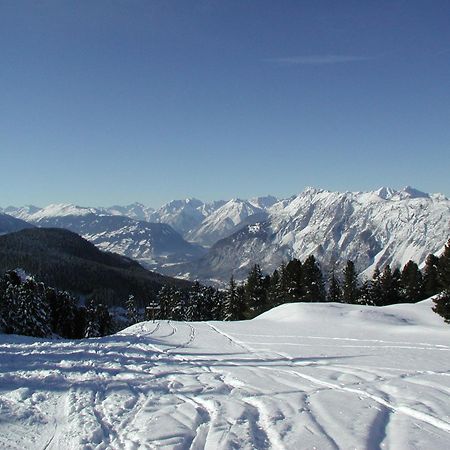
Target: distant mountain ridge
x=9 y=224
x=372 y=229
x=154 y=244
x=64 y=260
x=385 y=226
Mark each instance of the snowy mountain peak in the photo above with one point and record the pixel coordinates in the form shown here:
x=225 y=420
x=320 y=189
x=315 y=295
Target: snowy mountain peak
x=414 y=193
x=263 y=202
x=61 y=210
x=386 y=193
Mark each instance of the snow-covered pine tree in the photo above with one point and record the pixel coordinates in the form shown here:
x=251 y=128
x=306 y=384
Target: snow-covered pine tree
x=92 y=321
x=234 y=304
x=165 y=302
x=195 y=298
x=33 y=309
x=365 y=294
x=132 y=312
x=218 y=305
x=10 y=303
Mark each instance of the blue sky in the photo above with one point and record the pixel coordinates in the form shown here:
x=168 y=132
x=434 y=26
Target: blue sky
x=112 y=102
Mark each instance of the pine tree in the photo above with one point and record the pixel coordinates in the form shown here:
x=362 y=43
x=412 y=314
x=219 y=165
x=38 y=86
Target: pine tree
x=431 y=282
x=365 y=294
x=105 y=324
x=442 y=301
x=350 y=286
x=33 y=310
x=313 y=281
x=389 y=287
x=62 y=313
x=375 y=291
x=234 y=308
x=444 y=269
x=411 y=283
x=275 y=295
x=334 y=289
x=218 y=305
x=195 y=298
x=293 y=280
x=256 y=295
x=284 y=283
x=132 y=313
x=92 y=320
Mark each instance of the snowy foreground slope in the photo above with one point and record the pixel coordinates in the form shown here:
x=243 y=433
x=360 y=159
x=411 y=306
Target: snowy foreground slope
x=301 y=376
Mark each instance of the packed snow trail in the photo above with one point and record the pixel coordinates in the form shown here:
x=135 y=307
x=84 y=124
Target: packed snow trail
x=301 y=376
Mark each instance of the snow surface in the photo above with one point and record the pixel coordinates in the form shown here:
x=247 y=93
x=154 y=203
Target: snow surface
x=302 y=376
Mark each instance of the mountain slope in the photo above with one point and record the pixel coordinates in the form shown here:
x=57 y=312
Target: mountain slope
x=184 y=215
x=154 y=243
x=373 y=228
x=8 y=224
x=226 y=220
x=62 y=259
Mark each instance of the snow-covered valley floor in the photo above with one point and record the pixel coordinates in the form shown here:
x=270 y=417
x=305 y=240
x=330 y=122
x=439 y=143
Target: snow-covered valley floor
x=302 y=376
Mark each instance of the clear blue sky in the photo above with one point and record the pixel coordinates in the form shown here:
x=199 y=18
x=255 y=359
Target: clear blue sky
x=105 y=102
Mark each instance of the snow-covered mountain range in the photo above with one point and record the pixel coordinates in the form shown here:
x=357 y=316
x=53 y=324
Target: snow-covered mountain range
x=372 y=228
x=154 y=244
x=381 y=227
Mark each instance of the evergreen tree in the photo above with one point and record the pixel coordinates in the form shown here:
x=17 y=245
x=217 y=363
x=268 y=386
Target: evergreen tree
x=375 y=290
x=293 y=281
x=365 y=294
x=234 y=308
x=10 y=301
x=313 y=281
x=195 y=298
x=132 y=313
x=389 y=288
x=350 y=286
x=256 y=295
x=284 y=284
x=444 y=269
x=334 y=289
x=105 y=325
x=442 y=301
x=92 y=320
x=275 y=295
x=62 y=313
x=32 y=309
x=166 y=302
x=218 y=305
x=431 y=282
x=411 y=283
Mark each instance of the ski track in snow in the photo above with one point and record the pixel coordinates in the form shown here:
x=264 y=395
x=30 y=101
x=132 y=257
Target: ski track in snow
x=219 y=385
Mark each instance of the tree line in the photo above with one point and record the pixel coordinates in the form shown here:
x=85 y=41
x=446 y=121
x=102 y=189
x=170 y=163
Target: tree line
x=298 y=281
x=32 y=308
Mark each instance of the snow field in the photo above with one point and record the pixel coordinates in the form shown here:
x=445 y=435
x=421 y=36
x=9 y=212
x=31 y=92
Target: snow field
x=301 y=376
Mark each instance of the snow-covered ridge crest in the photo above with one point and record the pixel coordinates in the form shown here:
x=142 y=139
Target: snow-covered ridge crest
x=61 y=210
